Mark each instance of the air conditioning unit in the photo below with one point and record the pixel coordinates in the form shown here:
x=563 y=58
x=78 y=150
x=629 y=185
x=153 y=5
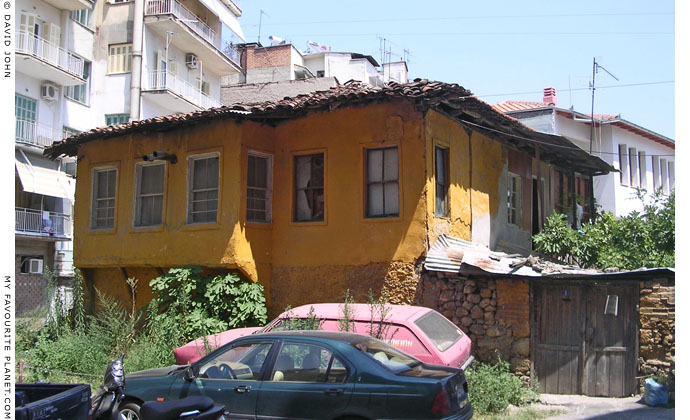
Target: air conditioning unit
x=36 y=266
x=49 y=92
x=192 y=61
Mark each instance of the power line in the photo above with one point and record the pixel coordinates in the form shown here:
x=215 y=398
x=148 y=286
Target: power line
x=587 y=88
x=348 y=21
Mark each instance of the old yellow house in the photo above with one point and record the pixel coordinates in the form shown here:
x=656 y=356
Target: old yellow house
x=313 y=195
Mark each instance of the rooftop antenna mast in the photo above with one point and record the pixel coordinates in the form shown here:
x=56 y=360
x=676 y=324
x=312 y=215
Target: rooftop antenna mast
x=595 y=69
x=261 y=13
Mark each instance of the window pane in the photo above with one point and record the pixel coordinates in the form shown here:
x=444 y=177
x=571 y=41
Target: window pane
x=374 y=164
x=152 y=178
x=390 y=163
x=309 y=192
x=301 y=363
x=245 y=361
x=440 y=166
x=203 y=205
x=375 y=200
x=391 y=199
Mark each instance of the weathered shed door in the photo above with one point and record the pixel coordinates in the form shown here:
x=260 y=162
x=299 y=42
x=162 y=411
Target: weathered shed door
x=585 y=337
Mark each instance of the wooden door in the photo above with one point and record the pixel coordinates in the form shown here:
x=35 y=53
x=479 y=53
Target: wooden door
x=610 y=340
x=585 y=337
x=558 y=315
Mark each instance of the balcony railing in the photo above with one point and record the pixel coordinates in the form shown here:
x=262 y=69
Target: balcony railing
x=192 y=21
x=162 y=80
x=28 y=43
x=37 y=134
x=44 y=223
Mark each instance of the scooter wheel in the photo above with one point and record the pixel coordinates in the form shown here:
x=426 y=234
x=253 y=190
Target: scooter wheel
x=130 y=411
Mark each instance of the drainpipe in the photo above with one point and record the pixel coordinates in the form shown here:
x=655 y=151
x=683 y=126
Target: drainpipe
x=137 y=43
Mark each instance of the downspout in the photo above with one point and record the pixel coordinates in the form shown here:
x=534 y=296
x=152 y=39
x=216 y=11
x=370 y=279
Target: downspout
x=137 y=43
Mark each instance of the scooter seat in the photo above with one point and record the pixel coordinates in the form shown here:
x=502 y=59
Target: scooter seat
x=171 y=410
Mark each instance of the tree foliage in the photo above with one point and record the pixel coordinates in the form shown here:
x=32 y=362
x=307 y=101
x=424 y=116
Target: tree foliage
x=640 y=239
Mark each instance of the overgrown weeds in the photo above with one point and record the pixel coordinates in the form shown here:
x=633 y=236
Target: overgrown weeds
x=73 y=346
x=493 y=387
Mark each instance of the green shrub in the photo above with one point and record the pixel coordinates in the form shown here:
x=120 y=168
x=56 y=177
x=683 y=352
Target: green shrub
x=193 y=306
x=492 y=387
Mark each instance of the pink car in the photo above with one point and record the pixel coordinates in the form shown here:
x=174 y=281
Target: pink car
x=419 y=332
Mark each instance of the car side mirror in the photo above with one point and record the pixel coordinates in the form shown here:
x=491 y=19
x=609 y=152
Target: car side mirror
x=189 y=374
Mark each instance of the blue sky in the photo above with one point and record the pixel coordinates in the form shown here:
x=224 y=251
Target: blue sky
x=502 y=50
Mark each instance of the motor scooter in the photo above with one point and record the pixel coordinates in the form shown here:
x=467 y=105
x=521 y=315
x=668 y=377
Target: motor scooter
x=105 y=403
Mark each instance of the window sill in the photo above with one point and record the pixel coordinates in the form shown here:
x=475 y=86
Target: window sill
x=118 y=73
x=200 y=226
x=384 y=219
x=78 y=102
x=305 y=223
x=103 y=231
x=259 y=225
x=147 y=229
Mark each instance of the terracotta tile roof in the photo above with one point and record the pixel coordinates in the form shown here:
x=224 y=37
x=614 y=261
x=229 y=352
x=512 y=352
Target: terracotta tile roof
x=509 y=106
x=451 y=99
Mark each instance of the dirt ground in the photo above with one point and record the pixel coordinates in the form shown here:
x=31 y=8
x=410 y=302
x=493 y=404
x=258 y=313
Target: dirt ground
x=598 y=408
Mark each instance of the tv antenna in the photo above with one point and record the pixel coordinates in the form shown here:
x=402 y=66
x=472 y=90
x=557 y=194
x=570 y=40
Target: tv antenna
x=261 y=13
x=595 y=69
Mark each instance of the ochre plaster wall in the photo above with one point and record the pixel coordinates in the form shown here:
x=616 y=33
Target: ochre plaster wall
x=296 y=262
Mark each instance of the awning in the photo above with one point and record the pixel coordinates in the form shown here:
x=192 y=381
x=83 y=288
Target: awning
x=225 y=16
x=45 y=181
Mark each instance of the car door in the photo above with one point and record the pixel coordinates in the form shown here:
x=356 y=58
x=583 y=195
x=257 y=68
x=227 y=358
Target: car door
x=307 y=381
x=230 y=377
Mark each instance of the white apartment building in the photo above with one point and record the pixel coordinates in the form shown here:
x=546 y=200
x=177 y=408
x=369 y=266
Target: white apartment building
x=83 y=64
x=644 y=159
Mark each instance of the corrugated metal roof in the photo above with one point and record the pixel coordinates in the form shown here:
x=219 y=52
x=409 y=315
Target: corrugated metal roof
x=453 y=255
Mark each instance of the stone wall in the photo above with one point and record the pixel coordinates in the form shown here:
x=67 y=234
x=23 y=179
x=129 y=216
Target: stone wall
x=657 y=330
x=494 y=313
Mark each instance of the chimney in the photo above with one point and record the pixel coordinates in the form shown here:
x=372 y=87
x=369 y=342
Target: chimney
x=550 y=96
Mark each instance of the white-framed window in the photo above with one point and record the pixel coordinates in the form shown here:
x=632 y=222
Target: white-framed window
x=514 y=198
x=80 y=93
x=116 y=119
x=202 y=201
x=643 y=169
x=259 y=185
x=634 y=167
x=119 y=58
x=309 y=188
x=203 y=86
x=82 y=17
x=150 y=188
x=442 y=181
x=624 y=164
x=656 y=176
x=664 y=176
x=382 y=198
x=671 y=175
x=103 y=192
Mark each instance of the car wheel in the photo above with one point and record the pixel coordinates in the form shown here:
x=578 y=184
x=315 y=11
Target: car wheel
x=130 y=411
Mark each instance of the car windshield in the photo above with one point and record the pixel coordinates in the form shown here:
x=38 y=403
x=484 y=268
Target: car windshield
x=291 y=324
x=440 y=331
x=392 y=359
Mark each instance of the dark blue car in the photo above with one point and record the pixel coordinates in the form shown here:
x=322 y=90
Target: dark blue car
x=309 y=375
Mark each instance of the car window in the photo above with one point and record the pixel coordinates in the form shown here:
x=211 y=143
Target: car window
x=307 y=363
x=242 y=362
x=440 y=331
x=390 y=358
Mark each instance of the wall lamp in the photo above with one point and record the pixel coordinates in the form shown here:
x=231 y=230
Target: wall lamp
x=158 y=155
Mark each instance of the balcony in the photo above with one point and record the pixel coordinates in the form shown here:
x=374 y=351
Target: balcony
x=42 y=60
x=191 y=34
x=46 y=224
x=171 y=92
x=30 y=132
x=71 y=4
